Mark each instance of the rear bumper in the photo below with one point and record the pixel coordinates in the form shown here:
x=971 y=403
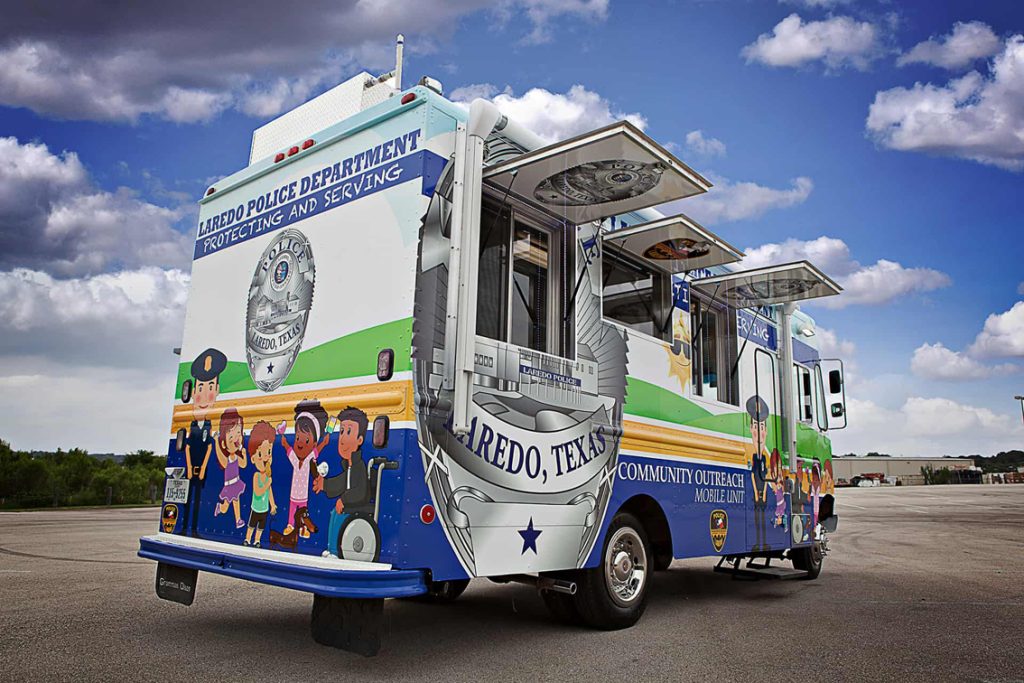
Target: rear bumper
x=308 y=574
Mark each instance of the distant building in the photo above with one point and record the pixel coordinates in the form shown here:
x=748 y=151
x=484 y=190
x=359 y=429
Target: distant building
x=908 y=470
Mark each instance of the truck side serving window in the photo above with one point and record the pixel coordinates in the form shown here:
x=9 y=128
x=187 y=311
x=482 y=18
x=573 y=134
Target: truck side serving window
x=522 y=282
x=635 y=296
x=715 y=348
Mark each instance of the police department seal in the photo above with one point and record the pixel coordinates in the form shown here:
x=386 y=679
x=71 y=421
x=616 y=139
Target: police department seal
x=280 y=298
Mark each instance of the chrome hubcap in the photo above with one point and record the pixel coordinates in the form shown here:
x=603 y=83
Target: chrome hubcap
x=625 y=567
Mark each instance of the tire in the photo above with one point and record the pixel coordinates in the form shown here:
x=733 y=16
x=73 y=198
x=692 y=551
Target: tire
x=613 y=595
x=808 y=560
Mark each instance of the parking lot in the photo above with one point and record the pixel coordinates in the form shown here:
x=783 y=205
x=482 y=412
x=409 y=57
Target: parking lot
x=923 y=584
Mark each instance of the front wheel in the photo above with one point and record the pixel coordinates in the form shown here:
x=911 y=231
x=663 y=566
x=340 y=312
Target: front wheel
x=808 y=560
x=613 y=595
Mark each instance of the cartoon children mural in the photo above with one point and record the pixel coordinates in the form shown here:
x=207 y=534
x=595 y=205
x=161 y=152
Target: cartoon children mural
x=350 y=488
x=815 y=486
x=311 y=436
x=261 y=452
x=778 y=479
x=205 y=371
x=232 y=458
x=757 y=409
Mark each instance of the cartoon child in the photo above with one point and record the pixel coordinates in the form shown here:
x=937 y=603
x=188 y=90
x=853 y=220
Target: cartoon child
x=758 y=411
x=310 y=438
x=828 y=482
x=815 y=485
x=232 y=458
x=778 y=479
x=261 y=452
x=350 y=488
x=205 y=371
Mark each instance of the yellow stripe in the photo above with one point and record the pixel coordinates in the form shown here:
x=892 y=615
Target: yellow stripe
x=393 y=399
x=638 y=436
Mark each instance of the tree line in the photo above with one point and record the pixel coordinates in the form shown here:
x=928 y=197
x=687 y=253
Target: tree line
x=73 y=477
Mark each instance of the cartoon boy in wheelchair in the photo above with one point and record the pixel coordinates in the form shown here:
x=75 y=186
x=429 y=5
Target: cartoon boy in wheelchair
x=353 y=533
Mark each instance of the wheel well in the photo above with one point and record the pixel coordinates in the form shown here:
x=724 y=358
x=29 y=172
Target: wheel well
x=650 y=514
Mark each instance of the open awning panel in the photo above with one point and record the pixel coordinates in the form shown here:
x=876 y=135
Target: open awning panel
x=607 y=172
x=675 y=244
x=767 y=286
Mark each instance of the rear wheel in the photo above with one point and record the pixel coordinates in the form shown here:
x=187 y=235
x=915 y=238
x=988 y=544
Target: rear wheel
x=613 y=595
x=808 y=559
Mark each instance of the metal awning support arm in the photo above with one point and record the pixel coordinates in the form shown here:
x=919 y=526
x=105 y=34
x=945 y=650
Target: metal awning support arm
x=786 y=382
x=464 y=258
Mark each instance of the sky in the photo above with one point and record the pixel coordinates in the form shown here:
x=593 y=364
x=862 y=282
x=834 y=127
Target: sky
x=883 y=141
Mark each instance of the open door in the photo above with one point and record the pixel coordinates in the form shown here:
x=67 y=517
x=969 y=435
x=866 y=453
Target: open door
x=607 y=172
x=832 y=386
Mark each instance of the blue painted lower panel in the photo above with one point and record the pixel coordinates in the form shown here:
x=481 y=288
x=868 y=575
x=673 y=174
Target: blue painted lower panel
x=394 y=583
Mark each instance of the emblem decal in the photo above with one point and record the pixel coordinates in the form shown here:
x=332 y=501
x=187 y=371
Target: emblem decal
x=598 y=182
x=719 y=529
x=280 y=298
x=170 y=518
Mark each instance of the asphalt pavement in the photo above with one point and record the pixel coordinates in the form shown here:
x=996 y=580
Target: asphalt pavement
x=922 y=584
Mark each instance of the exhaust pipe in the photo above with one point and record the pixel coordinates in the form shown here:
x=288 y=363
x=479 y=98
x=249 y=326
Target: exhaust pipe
x=399 y=46
x=541 y=583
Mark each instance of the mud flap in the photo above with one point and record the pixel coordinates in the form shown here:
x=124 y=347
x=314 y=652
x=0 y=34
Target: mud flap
x=350 y=624
x=177 y=584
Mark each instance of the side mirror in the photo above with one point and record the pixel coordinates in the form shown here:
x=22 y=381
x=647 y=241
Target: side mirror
x=837 y=410
x=835 y=382
x=829 y=524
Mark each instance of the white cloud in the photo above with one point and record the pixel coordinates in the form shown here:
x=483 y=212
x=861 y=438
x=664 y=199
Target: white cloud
x=935 y=361
x=541 y=12
x=836 y=41
x=967 y=42
x=831 y=346
x=733 y=201
x=926 y=426
x=1002 y=336
x=705 y=146
x=109 y=62
x=53 y=218
x=877 y=284
x=552 y=116
x=112 y=320
x=974 y=117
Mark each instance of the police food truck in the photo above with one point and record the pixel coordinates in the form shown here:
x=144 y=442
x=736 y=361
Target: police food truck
x=422 y=346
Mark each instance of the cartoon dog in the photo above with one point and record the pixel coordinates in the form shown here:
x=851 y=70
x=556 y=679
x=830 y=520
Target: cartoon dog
x=291 y=539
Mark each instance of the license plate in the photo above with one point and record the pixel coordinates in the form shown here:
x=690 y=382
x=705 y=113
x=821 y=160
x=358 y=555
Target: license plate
x=176 y=491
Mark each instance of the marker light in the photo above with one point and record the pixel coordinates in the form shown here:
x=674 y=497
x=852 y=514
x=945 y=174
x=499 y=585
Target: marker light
x=427 y=513
x=293 y=150
x=186 y=391
x=381 y=427
x=307 y=144
x=179 y=441
x=408 y=97
x=279 y=157
x=210 y=191
x=385 y=364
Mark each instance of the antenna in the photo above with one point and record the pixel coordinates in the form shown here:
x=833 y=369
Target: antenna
x=399 y=46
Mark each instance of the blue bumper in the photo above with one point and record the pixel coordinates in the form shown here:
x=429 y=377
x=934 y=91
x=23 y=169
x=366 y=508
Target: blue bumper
x=336 y=583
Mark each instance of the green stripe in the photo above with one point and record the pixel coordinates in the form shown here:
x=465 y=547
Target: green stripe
x=354 y=355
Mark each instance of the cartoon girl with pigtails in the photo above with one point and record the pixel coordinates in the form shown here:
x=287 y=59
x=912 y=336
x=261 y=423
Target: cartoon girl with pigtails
x=232 y=458
x=311 y=436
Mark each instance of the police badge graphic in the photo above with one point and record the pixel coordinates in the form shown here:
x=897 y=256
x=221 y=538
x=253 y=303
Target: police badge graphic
x=599 y=182
x=527 y=488
x=719 y=529
x=280 y=298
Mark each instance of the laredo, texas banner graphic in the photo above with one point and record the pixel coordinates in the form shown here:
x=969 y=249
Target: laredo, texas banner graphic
x=327 y=188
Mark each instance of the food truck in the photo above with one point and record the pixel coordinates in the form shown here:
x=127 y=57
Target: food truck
x=424 y=346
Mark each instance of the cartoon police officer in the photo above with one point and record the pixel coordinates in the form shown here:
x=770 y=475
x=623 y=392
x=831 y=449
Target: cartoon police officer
x=758 y=411
x=206 y=369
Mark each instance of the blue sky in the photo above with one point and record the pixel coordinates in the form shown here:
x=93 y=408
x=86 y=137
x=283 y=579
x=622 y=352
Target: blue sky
x=883 y=140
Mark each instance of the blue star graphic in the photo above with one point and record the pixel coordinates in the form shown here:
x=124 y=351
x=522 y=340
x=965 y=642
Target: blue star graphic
x=529 y=535
x=270 y=368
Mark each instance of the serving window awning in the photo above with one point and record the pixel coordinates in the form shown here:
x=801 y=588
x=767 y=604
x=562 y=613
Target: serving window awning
x=674 y=244
x=766 y=286
x=607 y=172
